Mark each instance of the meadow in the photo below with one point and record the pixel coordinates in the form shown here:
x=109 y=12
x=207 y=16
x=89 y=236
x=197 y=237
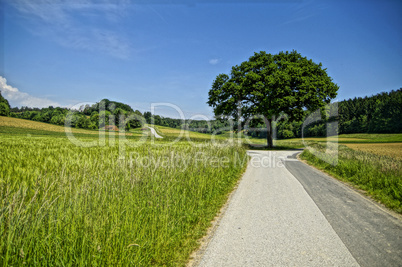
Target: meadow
x=144 y=202
x=393 y=150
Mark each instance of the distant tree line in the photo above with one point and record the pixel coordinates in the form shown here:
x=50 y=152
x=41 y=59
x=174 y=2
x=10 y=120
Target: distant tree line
x=105 y=113
x=381 y=113
x=94 y=117
x=202 y=126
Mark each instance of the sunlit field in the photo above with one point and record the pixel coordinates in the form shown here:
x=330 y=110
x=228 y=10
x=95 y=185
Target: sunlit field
x=374 y=138
x=10 y=125
x=138 y=204
x=393 y=150
x=173 y=134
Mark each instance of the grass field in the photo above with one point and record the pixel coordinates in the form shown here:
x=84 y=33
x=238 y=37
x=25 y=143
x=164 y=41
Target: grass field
x=7 y=124
x=372 y=138
x=173 y=134
x=17 y=126
x=146 y=204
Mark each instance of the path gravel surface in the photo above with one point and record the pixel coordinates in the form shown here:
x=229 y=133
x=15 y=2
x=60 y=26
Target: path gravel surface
x=372 y=234
x=154 y=133
x=272 y=221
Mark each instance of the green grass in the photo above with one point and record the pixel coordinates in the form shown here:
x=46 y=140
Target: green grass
x=380 y=176
x=373 y=138
x=62 y=204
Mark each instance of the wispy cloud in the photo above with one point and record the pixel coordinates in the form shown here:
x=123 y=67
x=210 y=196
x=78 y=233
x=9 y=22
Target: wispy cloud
x=214 y=61
x=76 y=24
x=305 y=10
x=18 y=98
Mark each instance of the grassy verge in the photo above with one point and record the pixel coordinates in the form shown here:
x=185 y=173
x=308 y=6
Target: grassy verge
x=62 y=204
x=380 y=176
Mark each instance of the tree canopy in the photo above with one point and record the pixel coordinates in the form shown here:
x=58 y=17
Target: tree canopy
x=4 y=106
x=270 y=85
x=106 y=104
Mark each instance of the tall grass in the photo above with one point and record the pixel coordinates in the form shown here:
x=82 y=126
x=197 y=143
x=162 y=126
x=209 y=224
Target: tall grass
x=380 y=176
x=63 y=204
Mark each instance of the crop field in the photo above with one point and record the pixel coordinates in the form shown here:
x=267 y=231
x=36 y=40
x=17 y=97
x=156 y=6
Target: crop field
x=393 y=150
x=132 y=204
x=10 y=125
x=373 y=138
x=173 y=133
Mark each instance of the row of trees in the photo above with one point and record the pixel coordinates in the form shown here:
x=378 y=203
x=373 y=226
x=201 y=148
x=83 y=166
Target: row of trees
x=104 y=113
x=97 y=116
x=202 y=126
x=381 y=113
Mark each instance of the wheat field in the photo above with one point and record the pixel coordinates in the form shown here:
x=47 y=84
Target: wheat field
x=386 y=149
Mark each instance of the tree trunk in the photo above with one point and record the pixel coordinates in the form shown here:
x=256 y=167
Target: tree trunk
x=268 y=123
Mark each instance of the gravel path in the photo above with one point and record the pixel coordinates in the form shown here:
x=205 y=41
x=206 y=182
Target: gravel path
x=272 y=221
x=372 y=233
x=154 y=133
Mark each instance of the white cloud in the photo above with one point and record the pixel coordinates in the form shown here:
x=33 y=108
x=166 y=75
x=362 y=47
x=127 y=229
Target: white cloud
x=214 y=61
x=74 y=24
x=18 y=98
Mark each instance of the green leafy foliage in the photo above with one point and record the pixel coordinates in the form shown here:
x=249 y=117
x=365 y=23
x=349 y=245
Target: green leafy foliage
x=271 y=85
x=4 y=106
x=381 y=113
x=106 y=104
x=93 y=117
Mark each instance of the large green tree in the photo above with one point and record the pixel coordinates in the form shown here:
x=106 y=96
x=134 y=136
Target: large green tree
x=270 y=85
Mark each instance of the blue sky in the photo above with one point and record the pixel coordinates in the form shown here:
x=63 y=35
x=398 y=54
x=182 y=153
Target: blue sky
x=141 y=52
